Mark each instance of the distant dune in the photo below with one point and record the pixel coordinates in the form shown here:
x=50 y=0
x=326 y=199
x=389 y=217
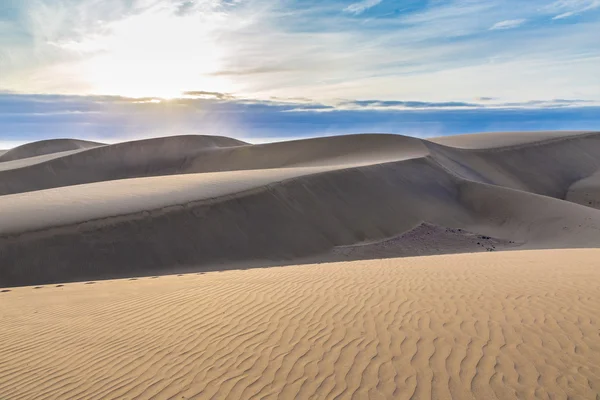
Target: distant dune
x=512 y=325
x=504 y=139
x=46 y=147
x=77 y=210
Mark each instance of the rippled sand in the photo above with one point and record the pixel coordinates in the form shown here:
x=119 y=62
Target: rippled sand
x=485 y=326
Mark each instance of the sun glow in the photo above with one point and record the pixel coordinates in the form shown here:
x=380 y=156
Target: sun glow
x=157 y=54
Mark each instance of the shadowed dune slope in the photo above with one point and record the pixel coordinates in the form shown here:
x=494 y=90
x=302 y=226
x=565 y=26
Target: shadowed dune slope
x=512 y=325
x=548 y=167
x=192 y=154
x=203 y=202
x=150 y=157
x=491 y=140
x=586 y=191
x=46 y=147
x=255 y=215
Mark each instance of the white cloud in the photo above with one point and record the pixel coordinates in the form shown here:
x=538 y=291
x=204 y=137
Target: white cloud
x=261 y=48
x=361 y=6
x=569 y=8
x=564 y=15
x=508 y=24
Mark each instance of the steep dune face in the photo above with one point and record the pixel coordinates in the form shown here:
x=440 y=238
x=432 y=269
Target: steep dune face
x=46 y=147
x=219 y=201
x=547 y=167
x=298 y=217
x=586 y=191
x=537 y=221
x=268 y=215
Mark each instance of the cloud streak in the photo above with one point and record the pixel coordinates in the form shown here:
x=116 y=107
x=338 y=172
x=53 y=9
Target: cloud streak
x=361 y=6
x=508 y=24
x=209 y=95
x=568 y=8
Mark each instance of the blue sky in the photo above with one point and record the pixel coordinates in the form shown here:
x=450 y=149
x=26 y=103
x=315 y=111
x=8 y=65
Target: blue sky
x=263 y=70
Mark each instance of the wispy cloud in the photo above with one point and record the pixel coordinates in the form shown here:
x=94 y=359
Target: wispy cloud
x=208 y=95
x=254 y=71
x=429 y=51
x=361 y=6
x=568 y=8
x=114 y=118
x=508 y=24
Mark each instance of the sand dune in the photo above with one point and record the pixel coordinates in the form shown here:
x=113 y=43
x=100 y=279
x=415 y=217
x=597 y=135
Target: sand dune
x=306 y=215
x=285 y=202
x=46 y=147
x=503 y=139
x=194 y=154
x=548 y=166
x=26 y=162
x=43 y=209
x=586 y=191
x=516 y=324
x=150 y=157
x=483 y=326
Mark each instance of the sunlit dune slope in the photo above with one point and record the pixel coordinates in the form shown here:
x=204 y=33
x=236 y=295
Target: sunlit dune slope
x=487 y=326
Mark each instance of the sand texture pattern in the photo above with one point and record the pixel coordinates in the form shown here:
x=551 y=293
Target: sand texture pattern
x=477 y=326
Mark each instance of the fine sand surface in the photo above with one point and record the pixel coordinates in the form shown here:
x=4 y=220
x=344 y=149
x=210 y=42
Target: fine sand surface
x=73 y=210
x=511 y=325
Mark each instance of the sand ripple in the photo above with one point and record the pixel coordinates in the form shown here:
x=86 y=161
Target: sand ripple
x=485 y=326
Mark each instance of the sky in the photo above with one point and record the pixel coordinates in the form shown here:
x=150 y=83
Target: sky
x=264 y=70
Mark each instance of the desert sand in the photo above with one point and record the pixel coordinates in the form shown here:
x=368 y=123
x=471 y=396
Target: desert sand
x=73 y=210
x=205 y=267
x=508 y=325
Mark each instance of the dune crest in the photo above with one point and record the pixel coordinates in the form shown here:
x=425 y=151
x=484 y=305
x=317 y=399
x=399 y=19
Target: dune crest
x=44 y=147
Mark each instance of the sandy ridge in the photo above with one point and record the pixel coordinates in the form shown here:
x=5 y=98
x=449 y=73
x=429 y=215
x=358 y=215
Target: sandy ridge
x=45 y=147
x=501 y=140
